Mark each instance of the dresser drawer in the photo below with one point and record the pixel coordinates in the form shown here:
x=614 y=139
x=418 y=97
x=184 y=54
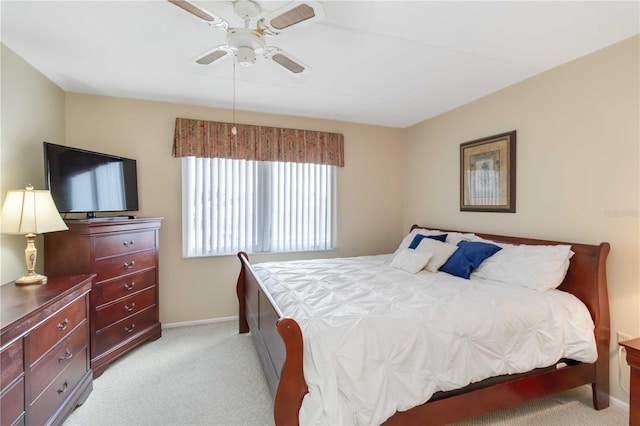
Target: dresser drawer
x=55 y=394
x=108 y=291
x=113 y=245
x=123 y=330
x=47 y=368
x=125 y=264
x=115 y=312
x=56 y=328
x=11 y=364
x=12 y=403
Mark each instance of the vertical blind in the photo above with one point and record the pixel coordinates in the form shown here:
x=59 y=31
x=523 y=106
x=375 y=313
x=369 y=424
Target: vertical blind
x=257 y=206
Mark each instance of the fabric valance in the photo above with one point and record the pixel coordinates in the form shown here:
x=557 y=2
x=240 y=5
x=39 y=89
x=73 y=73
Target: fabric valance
x=212 y=139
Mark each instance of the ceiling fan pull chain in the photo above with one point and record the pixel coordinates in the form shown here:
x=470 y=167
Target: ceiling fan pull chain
x=234 y=130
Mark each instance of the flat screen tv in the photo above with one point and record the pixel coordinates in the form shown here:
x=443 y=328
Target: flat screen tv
x=82 y=181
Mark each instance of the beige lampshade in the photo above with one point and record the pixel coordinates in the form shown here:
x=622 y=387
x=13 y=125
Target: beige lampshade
x=29 y=211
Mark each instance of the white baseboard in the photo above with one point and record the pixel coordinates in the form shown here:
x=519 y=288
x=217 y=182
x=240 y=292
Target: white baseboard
x=617 y=403
x=199 y=322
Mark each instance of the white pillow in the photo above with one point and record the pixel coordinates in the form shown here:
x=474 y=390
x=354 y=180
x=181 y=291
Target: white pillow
x=484 y=240
x=537 y=267
x=411 y=260
x=441 y=252
x=455 y=237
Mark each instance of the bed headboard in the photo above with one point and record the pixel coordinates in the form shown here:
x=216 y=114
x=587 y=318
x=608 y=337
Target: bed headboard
x=586 y=278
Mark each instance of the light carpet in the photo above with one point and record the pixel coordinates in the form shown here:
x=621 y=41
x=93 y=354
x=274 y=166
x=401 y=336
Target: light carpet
x=211 y=375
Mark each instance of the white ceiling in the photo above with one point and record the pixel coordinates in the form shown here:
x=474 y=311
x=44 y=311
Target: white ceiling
x=391 y=63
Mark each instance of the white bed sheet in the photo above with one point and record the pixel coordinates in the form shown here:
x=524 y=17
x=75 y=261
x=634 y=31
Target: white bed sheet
x=379 y=340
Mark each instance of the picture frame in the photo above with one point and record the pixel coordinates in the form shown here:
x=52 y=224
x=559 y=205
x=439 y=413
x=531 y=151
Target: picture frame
x=488 y=174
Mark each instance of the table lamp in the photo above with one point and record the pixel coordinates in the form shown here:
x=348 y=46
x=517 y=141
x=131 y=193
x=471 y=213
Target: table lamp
x=29 y=212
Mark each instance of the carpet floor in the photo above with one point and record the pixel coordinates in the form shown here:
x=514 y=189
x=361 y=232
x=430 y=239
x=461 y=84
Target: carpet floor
x=211 y=375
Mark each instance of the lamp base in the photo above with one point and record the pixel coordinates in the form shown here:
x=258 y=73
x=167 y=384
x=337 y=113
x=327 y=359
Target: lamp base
x=31 y=279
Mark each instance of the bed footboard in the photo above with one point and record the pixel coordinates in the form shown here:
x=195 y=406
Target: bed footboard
x=292 y=387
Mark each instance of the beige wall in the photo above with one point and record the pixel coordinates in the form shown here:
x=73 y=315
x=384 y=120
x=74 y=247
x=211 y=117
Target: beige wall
x=32 y=111
x=578 y=169
x=369 y=202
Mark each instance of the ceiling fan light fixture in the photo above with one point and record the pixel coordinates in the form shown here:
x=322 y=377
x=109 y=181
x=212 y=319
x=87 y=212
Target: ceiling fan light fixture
x=246 y=56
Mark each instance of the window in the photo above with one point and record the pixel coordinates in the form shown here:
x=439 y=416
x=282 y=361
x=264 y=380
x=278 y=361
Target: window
x=256 y=206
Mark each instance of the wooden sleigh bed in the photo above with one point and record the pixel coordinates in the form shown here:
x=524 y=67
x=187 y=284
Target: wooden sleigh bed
x=279 y=343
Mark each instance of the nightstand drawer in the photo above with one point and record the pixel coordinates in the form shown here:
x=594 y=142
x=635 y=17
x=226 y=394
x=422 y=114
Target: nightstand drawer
x=12 y=404
x=125 y=264
x=108 y=291
x=113 y=245
x=45 y=370
x=55 y=394
x=56 y=328
x=11 y=364
x=123 y=330
x=115 y=312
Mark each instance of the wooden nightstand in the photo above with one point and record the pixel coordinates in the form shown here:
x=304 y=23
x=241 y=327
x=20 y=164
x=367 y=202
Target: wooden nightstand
x=633 y=358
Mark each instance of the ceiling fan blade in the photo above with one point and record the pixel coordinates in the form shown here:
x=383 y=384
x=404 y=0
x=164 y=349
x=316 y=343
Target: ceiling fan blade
x=287 y=61
x=216 y=55
x=208 y=17
x=294 y=13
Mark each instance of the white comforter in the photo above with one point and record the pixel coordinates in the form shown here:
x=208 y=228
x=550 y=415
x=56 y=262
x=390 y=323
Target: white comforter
x=378 y=339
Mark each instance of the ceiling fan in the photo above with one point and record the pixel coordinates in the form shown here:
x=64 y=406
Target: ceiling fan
x=248 y=42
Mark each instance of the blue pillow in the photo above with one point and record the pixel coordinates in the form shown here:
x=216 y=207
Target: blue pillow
x=419 y=237
x=468 y=257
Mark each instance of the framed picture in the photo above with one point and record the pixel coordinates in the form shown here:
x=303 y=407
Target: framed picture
x=488 y=174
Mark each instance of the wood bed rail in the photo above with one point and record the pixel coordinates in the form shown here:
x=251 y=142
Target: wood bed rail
x=291 y=385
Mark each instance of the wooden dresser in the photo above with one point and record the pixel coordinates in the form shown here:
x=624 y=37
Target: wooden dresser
x=44 y=350
x=123 y=253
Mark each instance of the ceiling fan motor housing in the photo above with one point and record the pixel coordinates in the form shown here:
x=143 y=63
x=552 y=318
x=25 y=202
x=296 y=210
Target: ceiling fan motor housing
x=245 y=43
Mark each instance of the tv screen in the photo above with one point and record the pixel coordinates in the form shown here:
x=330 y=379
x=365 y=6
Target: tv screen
x=82 y=181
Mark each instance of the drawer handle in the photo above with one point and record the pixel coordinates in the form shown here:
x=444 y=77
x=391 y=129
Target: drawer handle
x=129 y=265
x=64 y=388
x=67 y=355
x=63 y=324
x=129 y=329
x=131 y=307
x=128 y=243
x=130 y=286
